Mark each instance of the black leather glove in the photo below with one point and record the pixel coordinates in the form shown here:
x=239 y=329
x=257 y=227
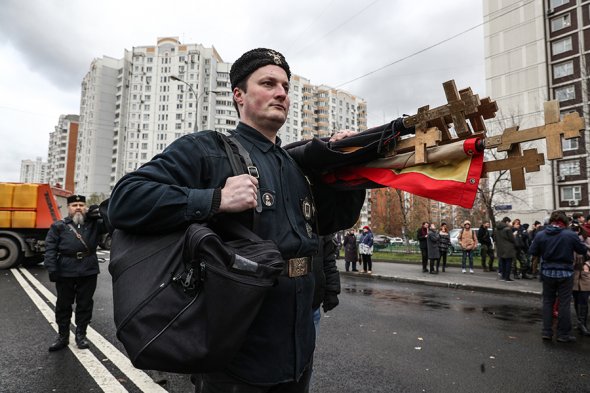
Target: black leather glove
x=93 y=212
x=398 y=126
x=330 y=301
x=53 y=276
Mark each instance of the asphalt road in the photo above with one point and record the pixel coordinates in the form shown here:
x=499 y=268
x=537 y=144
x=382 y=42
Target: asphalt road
x=383 y=337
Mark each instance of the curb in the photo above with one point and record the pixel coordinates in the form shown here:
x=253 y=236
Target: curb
x=467 y=287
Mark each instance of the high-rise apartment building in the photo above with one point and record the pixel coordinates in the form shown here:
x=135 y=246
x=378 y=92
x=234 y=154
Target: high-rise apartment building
x=33 y=171
x=133 y=108
x=537 y=51
x=61 y=156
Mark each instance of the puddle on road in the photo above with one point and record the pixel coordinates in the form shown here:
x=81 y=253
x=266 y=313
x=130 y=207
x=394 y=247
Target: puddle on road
x=503 y=312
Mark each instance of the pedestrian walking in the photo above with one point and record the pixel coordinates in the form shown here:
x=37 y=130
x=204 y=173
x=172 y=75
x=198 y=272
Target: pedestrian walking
x=443 y=244
x=468 y=242
x=350 y=251
x=555 y=245
x=72 y=264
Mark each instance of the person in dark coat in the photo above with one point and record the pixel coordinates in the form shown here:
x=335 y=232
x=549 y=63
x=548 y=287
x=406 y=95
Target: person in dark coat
x=556 y=245
x=71 y=261
x=443 y=244
x=433 y=244
x=350 y=251
x=192 y=181
x=487 y=248
x=421 y=235
x=506 y=249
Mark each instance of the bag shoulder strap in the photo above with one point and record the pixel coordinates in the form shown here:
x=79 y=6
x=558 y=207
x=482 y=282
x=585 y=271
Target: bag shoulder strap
x=235 y=161
x=79 y=236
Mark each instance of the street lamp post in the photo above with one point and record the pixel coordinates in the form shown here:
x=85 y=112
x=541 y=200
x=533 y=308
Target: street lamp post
x=198 y=97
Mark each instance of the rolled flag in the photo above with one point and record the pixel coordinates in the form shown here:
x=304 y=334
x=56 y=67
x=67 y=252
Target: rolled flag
x=451 y=176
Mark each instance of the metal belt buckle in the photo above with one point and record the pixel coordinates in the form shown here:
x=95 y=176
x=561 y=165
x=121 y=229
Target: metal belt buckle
x=79 y=255
x=297 y=267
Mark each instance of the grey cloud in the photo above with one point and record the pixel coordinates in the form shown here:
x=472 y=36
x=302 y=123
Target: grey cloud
x=38 y=34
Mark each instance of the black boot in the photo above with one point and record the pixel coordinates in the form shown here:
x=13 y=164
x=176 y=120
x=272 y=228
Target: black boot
x=62 y=341
x=583 y=319
x=81 y=341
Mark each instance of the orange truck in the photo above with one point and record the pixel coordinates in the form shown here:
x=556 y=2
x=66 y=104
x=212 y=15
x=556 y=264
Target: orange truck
x=27 y=210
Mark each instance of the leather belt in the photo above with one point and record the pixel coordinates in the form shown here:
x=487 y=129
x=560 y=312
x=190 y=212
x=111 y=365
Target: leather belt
x=77 y=255
x=297 y=267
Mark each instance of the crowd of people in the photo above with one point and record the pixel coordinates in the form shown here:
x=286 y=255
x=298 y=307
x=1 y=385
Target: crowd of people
x=556 y=252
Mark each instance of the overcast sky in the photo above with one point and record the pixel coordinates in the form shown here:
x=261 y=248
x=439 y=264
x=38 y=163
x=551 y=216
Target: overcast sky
x=46 y=47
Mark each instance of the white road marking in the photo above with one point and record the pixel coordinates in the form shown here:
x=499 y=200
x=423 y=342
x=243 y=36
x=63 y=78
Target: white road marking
x=138 y=377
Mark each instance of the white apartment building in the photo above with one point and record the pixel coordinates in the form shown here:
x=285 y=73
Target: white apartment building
x=533 y=54
x=98 y=120
x=33 y=171
x=61 y=154
x=133 y=108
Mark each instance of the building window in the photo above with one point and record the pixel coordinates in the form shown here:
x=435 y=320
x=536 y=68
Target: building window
x=565 y=93
x=557 y=3
x=569 y=144
x=561 y=46
x=571 y=193
x=569 y=168
x=560 y=22
x=563 y=69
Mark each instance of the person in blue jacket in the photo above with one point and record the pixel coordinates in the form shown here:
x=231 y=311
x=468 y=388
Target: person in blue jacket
x=555 y=246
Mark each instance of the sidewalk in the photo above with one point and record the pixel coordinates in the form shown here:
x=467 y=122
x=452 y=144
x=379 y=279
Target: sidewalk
x=452 y=278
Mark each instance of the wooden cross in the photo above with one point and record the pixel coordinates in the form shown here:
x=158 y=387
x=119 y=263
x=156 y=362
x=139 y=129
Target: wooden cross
x=460 y=106
x=552 y=131
x=517 y=163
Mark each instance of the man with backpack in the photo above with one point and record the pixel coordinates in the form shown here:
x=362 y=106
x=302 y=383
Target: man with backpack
x=468 y=242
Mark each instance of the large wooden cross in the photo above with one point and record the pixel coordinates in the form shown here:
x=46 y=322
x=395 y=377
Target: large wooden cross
x=433 y=129
x=433 y=125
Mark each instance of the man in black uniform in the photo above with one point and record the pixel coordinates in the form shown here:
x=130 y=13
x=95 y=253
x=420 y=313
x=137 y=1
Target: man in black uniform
x=192 y=181
x=70 y=259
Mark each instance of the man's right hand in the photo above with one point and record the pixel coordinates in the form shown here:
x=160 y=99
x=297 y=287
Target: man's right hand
x=238 y=194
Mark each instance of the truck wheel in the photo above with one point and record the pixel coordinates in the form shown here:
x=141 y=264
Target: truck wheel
x=10 y=253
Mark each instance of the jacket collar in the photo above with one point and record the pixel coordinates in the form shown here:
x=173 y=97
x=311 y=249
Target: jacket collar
x=255 y=138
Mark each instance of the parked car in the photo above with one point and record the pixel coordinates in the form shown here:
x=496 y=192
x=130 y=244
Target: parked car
x=381 y=241
x=396 y=241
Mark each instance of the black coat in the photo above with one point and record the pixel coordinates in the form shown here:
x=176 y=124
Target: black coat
x=505 y=247
x=350 y=248
x=176 y=188
x=61 y=243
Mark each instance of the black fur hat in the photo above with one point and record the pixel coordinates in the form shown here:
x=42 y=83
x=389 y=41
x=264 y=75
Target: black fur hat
x=253 y=60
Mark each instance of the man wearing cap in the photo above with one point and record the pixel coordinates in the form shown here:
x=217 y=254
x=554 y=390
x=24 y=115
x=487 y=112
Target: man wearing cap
x=192 y=181
x=71 y=261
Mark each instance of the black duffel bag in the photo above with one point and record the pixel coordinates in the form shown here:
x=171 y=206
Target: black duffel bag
x=183 y=302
